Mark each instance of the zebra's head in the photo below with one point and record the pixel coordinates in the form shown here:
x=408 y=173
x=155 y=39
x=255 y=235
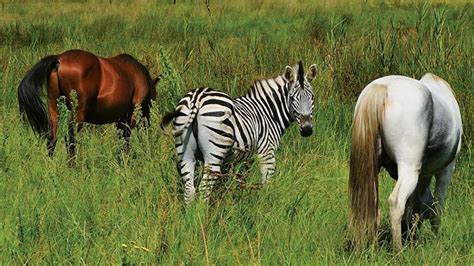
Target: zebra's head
x=301 y=96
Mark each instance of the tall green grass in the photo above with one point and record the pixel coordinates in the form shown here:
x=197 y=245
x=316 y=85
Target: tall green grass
x=118 y=208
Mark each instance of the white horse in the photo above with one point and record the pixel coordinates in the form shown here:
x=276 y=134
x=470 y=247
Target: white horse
x=413 y=129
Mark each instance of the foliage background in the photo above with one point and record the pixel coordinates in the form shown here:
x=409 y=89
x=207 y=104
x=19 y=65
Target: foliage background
x=116 y=208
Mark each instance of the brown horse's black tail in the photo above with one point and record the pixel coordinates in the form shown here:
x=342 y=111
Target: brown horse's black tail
x=29 y=94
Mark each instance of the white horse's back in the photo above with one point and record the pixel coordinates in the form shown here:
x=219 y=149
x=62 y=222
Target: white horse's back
x=407 y=119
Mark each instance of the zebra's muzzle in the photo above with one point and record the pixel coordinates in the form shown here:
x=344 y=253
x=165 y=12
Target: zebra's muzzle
x=306 y=127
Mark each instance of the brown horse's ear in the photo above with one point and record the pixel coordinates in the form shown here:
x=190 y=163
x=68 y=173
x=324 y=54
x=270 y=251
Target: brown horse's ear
x=313 y=70
x=157 y=79
x=289 y=74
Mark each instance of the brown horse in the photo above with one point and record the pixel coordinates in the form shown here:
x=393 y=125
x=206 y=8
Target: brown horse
x=108 y=90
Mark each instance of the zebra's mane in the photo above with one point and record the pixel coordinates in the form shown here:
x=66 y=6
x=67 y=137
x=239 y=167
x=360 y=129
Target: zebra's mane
x=267 y=78
x=262 y=80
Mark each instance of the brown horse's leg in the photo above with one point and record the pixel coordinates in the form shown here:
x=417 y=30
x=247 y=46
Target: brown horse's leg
x=53 y=118
x=71 y=141
x=146 y=111
x=133 y=120
x=125 y=126
x=128 y=131
x=53 y=95
x=79 y=121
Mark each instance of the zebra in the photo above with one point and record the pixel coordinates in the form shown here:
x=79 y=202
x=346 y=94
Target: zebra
x=210 y=126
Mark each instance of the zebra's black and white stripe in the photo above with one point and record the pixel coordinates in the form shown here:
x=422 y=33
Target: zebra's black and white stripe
x=212 y=127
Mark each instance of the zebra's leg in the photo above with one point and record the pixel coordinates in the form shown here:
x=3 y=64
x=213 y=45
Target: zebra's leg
x=212 y=172
x=267 y=165
x=241 y=175
x=215 y=140
x=186 y=147
x=214 y=148
x=443 y=179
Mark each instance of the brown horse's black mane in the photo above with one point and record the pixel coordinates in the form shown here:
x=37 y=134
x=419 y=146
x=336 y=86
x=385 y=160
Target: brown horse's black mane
x=149 y=81
x=134 y=61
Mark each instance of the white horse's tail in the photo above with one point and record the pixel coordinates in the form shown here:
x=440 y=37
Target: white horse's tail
x=364 y=168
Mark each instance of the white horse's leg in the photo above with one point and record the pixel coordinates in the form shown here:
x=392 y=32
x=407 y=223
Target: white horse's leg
x=443 y=178
x=406 y=184
x=422 y=206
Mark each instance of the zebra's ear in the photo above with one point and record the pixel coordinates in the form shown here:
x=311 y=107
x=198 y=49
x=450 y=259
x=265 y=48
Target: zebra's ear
x=313 y=70
x=289 y=74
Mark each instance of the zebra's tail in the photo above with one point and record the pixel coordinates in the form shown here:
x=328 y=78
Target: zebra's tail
x=167 y=119
x=180 y=126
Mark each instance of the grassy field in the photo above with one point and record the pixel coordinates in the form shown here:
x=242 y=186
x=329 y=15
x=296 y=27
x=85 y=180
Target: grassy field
x=117 y=208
